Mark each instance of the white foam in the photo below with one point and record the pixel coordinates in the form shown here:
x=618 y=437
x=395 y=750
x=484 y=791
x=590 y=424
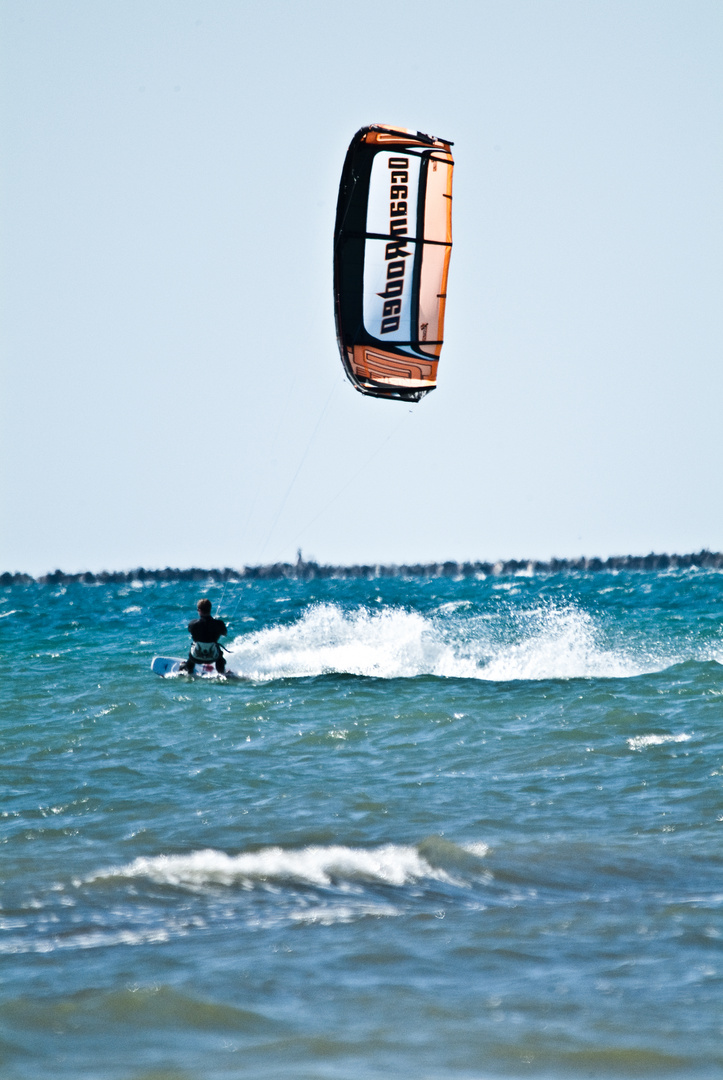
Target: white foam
x=558 y=643
x=345 y=913
x=93 y=939
x=479 y=850
x=545 y=642
x=320 y=866
x=639 y=742
x=391 y=643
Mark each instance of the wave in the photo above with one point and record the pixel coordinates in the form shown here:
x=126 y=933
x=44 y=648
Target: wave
x=434 y=860
x=546 y=642
x=640 y=742
x=274 y=886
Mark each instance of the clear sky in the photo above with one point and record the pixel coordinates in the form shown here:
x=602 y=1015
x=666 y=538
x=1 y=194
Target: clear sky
x=172 y=392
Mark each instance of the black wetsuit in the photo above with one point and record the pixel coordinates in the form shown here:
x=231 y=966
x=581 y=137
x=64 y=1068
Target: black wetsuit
x=205 y=630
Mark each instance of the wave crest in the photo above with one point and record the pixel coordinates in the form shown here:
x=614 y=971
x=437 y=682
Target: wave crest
x=317 y=866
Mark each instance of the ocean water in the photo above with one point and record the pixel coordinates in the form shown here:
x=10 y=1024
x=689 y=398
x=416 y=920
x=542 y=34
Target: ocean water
x=444 y=829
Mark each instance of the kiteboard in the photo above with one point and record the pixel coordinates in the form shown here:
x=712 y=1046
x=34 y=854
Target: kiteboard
x=169 y=667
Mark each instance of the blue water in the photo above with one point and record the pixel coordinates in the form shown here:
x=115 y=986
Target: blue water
x=464 y=829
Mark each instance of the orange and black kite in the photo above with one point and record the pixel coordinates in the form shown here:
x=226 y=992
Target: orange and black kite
x=392 y=243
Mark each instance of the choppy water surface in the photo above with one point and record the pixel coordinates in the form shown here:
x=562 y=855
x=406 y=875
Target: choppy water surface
x=463 y=829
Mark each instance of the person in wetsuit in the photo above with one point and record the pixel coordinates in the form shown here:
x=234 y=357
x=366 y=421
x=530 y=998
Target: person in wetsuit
x=205 y=631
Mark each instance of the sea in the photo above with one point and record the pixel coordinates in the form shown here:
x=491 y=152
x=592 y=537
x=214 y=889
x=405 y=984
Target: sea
x=442 y=829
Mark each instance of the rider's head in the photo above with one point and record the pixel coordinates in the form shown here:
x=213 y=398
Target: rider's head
x=204 y=607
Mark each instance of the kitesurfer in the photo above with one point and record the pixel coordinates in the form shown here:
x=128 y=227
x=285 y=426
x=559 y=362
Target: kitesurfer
x=205 y=631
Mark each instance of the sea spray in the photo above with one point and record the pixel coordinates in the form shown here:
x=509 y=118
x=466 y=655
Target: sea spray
x=548 y=641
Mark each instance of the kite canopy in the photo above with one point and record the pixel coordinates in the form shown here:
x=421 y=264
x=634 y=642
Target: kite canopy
x=392 y=243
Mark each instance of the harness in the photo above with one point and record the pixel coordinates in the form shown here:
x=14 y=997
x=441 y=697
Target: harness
x=206 y=651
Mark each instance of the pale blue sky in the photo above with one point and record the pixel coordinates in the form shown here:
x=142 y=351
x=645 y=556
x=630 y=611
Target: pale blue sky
x=172 y=390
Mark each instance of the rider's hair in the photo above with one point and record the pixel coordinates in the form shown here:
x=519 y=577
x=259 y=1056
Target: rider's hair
x=204 y=607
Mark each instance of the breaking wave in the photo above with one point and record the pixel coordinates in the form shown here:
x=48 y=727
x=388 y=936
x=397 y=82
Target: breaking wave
x=316 y=866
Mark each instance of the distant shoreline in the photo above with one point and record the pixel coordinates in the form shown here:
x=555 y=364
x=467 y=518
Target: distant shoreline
x=308 y=570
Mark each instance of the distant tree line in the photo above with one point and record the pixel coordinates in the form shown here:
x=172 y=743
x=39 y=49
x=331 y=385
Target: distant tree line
x=309 y=570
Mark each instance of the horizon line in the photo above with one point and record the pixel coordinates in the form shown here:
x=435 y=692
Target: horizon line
x=304 y=569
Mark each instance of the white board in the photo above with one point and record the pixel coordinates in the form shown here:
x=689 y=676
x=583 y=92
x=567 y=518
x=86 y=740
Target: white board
x=169 y=667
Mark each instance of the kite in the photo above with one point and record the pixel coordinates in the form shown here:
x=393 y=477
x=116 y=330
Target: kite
x=392 y=244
